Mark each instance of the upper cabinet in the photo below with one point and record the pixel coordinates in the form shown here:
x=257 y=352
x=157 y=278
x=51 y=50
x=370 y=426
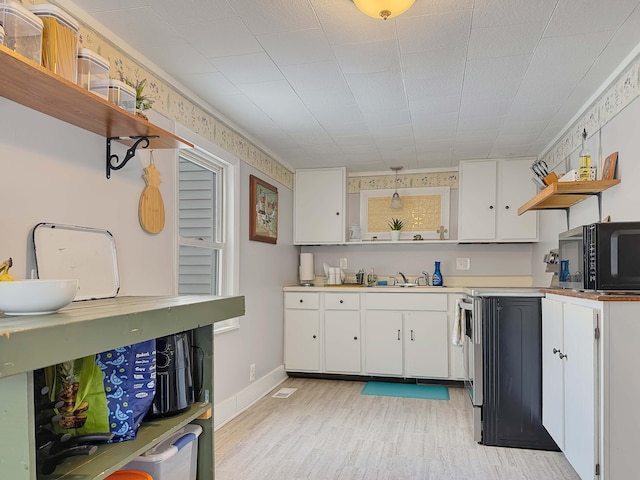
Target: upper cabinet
x=319 y=206
x=490 y=193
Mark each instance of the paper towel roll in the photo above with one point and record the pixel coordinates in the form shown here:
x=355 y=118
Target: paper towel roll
x=306 y=267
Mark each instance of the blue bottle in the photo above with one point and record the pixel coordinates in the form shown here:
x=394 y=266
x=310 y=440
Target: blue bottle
x=437 y=276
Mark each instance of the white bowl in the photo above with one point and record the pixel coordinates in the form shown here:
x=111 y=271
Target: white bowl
x=36 y=297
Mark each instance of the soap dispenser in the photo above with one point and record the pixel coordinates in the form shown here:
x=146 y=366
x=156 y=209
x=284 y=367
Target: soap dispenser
x=436 y=278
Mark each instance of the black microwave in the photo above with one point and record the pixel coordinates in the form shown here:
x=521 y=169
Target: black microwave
x=603 y=257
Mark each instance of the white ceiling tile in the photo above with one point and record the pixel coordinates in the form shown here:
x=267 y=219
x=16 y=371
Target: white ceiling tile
x=191 y=11
x=337 y=114
x=572 y=17
x=390 y=118
x=488 y=13
x=433 y=105
x=337 y=129
x=438 y=6
x=222 y=38
x=211 y=86
x=447 y=62
x=299 y=47
x=274 y=16
x=369 y=57
x=180 y=59
x=241 y=69
x=377 y=91
x=156 y=33
x=495 y=76
x=354 y=140
x=433 y=32
x=314 y=76
x=504 y=40
x=512 y=151
x=344 y=24
x=94 y=6
x=483 y=107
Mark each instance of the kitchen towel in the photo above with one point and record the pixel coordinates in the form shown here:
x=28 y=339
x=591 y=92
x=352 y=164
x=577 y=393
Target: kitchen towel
x=406 y=390
x=457 y=333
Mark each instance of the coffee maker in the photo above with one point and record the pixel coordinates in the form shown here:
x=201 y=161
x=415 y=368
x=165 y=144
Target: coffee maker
x=174 y=376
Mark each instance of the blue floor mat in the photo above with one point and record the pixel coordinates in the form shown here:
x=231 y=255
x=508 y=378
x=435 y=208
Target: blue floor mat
x=406 y=390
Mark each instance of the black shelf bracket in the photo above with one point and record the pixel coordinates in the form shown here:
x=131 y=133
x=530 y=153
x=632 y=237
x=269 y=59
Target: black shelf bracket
x=114 y=163
x=598 y=195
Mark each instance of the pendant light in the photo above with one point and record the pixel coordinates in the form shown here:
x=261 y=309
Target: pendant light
x=396 y=203
x=383 y=8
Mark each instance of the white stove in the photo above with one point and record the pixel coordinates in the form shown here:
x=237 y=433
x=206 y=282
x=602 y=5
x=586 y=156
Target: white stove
x=503 y=292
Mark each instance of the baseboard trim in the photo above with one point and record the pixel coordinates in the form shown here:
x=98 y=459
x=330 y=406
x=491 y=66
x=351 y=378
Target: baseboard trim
x=230 y=408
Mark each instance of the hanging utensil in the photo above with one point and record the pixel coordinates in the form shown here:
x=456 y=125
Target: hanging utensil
x=151 y=206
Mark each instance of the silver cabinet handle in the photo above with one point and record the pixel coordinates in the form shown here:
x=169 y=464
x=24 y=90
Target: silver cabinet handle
x=398 y=334
x=562 y=355
x=412 y=336
x=555 y=350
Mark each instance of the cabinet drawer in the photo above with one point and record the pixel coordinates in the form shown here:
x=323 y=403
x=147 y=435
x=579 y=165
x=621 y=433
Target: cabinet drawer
x=342 y=301
x=407 y=301
x=305 y=301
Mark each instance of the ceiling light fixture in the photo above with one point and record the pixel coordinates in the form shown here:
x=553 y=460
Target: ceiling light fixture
x=383 y=8
x=396 y=203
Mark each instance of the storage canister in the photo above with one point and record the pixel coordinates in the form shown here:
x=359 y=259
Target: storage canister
x=172 y=459
x=22 y=30
x=59 y=40
x=92 y=68
x=118 y=92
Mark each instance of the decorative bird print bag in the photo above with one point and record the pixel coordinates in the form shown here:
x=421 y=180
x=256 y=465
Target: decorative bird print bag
x=109 y=392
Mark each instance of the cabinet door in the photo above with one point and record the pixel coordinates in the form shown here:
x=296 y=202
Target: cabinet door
x=514 y=189
x=580 y=414
x=342 y=341
x=320 y=206
x=383 y=342
x=302 y=340
x=552 y=371
x=477 y=202
x=426 y=348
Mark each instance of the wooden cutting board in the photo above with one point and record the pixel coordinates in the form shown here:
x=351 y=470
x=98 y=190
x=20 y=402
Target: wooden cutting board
x=151 y=206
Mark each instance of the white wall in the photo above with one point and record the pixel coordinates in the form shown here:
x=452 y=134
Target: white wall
x=264 y=269
x=51 y=171
x=621 y=202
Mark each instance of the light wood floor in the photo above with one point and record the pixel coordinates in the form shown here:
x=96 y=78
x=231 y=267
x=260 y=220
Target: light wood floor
x=328 y=430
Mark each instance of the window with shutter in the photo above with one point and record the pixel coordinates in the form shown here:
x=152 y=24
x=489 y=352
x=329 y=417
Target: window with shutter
x=202 y=239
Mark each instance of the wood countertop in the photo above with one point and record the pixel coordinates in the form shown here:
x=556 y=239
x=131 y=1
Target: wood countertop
x=600 y=297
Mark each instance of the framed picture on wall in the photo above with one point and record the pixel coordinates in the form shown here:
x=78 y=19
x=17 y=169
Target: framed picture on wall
x=263 y=211
x=609 y=167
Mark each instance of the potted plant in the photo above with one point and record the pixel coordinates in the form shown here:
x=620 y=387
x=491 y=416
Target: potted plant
x=396 y=224
x=143 y=101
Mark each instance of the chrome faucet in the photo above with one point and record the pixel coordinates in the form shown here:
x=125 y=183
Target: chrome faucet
x=404 y=279
x=426 y=278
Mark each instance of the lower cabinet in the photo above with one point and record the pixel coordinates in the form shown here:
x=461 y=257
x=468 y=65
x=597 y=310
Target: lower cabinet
x=406 y=335
x=302 y=332
x=342 y=333
x=381 y=334
x=570 y=381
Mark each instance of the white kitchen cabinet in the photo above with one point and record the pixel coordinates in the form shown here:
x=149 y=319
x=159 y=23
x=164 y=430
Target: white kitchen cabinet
x=570 y=382
x=425 y=344
x=342 y=333
x=383 y=343
x=406 y=335
x=302 y=332
x=320 y=206
x=490 y=193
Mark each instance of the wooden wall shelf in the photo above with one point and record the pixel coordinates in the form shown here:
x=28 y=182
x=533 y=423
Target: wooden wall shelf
x=563 y=195
x=33 y=86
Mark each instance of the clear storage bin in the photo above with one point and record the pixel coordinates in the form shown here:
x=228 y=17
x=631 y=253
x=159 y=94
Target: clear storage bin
x=92 y=69
x=59 y=40
x=117 y=92
x=174 y=458
x=22 y=30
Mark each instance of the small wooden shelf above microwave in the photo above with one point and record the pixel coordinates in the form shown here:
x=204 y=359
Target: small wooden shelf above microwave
x=563 y=195
x=33 y=86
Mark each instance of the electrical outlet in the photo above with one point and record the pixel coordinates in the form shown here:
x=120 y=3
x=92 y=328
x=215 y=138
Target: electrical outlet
x=463 y=264
x=252 y=372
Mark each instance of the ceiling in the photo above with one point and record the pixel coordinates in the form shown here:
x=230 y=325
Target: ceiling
x=318 y=83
